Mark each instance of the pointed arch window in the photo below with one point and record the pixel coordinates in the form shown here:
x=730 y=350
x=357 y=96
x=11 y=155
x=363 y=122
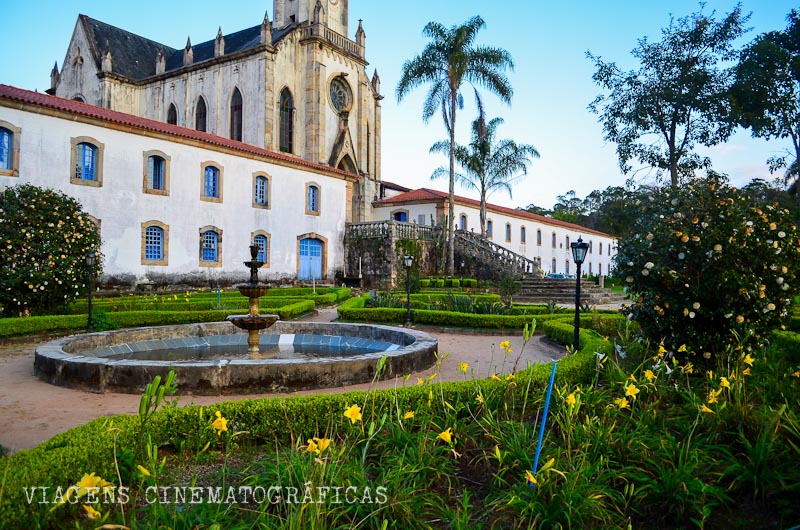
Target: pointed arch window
x=200 y=115
x=286 y=133
x=236 y=115
x=172 y=115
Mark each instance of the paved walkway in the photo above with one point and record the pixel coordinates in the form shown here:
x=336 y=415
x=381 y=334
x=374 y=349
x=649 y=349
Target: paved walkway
x=34 y=411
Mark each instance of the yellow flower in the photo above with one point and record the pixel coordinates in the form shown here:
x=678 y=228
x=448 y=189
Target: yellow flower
x=143 y=470
x=322 y=443
x=622 y=403
x=353 y=413
x=631 y=391
x=649 y=375
x=463 y=367
x=505 y=345
x=571 y=399
x=739 y=319
x=529 y=478
x=796 y=374
x=495 y=378
x=510 y=377
x=408 y=415
x=446 y=436
x=632 y=378
x=480 y=399
x=220 y=424
x=682 y=348
x=746 y=371
x=723 y=382
x=712 y=396
x=706 y=409
x=688 y=369
x=420 y=381
x=748 y=359
x=312 y=447
x=91 y=513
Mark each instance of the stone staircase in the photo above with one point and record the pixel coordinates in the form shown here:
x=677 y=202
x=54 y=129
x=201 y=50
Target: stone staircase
x=485 y=259
x=544 y=290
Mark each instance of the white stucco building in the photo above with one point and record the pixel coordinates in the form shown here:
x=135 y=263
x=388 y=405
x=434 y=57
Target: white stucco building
x=535 y=237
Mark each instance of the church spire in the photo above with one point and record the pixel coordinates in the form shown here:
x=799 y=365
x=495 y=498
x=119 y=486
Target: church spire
x=161 y=62
x=54 y=75
x=360 y=35
x=188 y=53
x=266 y=30
x=219 y=44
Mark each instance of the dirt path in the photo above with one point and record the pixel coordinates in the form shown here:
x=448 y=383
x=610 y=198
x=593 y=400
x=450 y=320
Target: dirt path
x=34 y=411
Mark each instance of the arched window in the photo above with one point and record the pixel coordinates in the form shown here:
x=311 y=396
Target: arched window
x=211 y=182
x=210 y=249
x=200 y=115
x=489 y=229
x=312 y=199
x=172 y=115
x=508 y=231
x=554 y=240
x=462 y=222
x=260 y=193
x=86 y=161
x=401 y=216
x=522 y=235
x=6 y=148
x=553 y=266
x=286 y=134
x=236 y=115
x=539 y=237
x=154 y=243
x=155 y=172
x=262 y=242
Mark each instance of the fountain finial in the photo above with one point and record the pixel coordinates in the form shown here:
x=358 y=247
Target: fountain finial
x=254 y=264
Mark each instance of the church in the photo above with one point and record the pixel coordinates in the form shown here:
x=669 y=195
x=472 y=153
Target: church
x=185 y=156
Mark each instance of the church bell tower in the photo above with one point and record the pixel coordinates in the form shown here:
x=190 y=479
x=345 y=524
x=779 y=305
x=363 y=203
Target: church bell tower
x=332 y=13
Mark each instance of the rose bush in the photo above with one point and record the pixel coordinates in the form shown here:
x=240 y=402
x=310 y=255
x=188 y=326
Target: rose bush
x=709 y=267
x=45 y=237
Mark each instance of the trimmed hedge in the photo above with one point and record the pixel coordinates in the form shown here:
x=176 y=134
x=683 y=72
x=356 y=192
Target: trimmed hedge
x=10 y=327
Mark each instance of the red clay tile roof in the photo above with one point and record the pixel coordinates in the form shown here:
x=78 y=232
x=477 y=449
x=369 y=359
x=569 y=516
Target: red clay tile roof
x=429 y=195
x=78 y=108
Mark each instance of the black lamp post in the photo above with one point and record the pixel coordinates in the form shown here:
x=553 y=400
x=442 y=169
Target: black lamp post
x=579 y=249
x=90 y=261
x=409 y=260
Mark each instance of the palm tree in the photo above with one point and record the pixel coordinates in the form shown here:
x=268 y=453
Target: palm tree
x=488 y=166
x=447 y=62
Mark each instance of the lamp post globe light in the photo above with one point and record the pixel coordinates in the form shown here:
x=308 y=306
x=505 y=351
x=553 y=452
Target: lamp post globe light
x=91 y=258
x=579 y=249
x=409 y=261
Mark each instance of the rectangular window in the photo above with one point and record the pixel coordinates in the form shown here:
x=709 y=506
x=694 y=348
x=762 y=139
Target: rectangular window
x=209 y=246
x=211 y=187
x=6 y=141
x=156 y=173
x=489 y=229
x=421 y=219
x=522 y=234
x=261 y=191
x=313 y=199
x=86 y=159
x=539 y=237
x=508 y=232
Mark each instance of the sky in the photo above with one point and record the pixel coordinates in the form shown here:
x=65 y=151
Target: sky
x=552 y=78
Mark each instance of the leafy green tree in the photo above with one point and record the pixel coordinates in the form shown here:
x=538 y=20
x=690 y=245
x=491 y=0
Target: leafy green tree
x=677 y=99
x=709 y=268
x=46 y=237
x=448 y=61
x=766 y=93
x=568 y=207
x=488 y=166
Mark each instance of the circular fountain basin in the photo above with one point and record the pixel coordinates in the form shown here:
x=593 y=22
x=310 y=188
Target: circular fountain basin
x=337 y=355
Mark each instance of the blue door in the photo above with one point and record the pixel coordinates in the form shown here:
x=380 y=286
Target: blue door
x=310 y=259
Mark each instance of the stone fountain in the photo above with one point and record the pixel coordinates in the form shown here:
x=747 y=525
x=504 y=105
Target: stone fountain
x=253 y=322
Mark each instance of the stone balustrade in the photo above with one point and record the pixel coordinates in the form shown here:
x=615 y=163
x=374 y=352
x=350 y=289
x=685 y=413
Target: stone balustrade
x=338 y=40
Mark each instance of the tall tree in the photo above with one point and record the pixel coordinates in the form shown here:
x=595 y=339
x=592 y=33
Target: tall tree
x=766 y=93
x=448 y=61
x=487 y=166
x=677 y=98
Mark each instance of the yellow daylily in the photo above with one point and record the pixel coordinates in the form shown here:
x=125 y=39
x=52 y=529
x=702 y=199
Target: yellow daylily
x=312 y=447
x=748 y=359
x=353 y=413
x=571 y=399
x=632 y=378
x=408 y=415
x=682 y=348
x=631 y=391
x=705 y=409
x=622 y=403
x=529 y=478
x=143 y=470
x=505 y=345
x=91 y=513
x=446 y=435
x=510 y=377
x=649 y=375
x=712 y=396
x=723 y=383
x=220 y=424
x=463 y=367
x=479 y=399
x=318 y=445
x=495 y=377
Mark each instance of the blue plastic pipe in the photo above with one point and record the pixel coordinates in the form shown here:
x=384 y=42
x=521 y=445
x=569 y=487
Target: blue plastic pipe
x=544 y=421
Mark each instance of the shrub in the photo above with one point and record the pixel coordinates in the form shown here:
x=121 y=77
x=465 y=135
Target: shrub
x=424 y=282
x=45 y=237
x=707 y=268
x=470 y=282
